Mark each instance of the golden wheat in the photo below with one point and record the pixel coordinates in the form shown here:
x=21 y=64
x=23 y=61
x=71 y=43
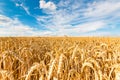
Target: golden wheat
x=59 y=58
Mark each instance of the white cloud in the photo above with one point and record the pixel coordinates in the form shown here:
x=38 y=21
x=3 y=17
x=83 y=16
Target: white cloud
x=90 y=26
x=102 y=8
x=13 y=27
x=63 y=22
x=80 y=18
x=70 y=17
x=47 y=5
x=82 y=28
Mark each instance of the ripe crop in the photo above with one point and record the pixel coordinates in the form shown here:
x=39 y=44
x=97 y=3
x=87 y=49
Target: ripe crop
x=59 y=58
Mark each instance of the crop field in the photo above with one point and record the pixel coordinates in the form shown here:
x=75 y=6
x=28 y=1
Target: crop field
x=59 y=58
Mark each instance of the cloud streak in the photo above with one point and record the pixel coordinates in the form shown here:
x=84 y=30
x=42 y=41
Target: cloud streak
x=24 y=7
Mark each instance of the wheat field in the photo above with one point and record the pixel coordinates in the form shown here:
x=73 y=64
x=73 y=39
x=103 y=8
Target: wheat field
x=59 y=58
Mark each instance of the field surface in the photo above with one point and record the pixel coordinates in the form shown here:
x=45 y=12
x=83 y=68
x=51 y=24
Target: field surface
x=59 y=58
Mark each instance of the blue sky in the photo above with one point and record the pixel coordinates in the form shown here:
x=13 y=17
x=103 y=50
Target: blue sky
x=59 y=17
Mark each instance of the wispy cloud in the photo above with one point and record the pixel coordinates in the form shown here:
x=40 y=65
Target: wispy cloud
x=80 y=18
x=81 y=29
x=102 y=8
x=24 y=7
x=13 y=27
